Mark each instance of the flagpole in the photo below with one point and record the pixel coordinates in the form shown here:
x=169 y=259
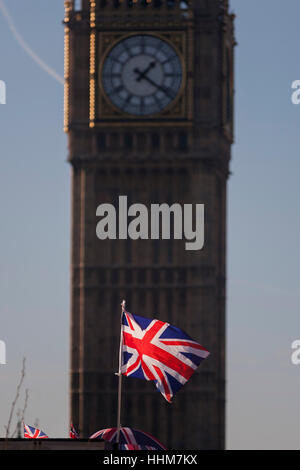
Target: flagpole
x=120 y=376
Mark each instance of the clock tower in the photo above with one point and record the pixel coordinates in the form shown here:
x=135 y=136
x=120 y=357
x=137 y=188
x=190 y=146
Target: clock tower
x=149 y=115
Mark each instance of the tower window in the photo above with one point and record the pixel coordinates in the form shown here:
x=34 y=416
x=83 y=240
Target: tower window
x=155 y=251
x=128 y=141
x=101 y=141
x=169 y=275
x=155 y=297
x=170 y=302
x=128 y=276
x=155 y=276
x=182 y=276
x=169 y=141
x=128 y=297
x=141 y=141
x=155 y=141
x=182 y=297
x=182 y=141
x=115 y=276
x=142 y=276
x=102 y=276
x=141 y=299
x=128 y=253
x=170 y=253
x=114 y=140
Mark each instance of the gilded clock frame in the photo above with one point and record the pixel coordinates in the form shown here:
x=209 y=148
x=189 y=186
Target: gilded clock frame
x=103 y=112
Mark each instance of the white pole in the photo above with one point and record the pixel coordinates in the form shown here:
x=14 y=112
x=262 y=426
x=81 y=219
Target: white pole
x=120 y=377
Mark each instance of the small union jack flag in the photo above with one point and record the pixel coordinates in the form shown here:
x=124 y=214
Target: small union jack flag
x=155 y=350
x=73 y=433
x=33 y=433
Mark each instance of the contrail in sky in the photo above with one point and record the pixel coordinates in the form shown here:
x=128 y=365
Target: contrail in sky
x=26 y=47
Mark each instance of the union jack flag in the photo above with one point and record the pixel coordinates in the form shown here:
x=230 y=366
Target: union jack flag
x=129 y=439
x=73 y=433
x=155 y=350
x=33 y=433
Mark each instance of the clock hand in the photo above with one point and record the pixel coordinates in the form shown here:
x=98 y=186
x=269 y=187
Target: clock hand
x=143 y=75
x=145 y=72
x=159 y=87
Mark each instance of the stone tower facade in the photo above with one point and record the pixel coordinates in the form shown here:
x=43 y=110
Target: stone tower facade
x=178 y=152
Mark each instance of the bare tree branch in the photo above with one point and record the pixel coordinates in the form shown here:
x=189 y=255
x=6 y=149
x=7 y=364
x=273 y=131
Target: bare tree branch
x=17 y=425
x=7 y=428
x=21 y=414
x=25 y=405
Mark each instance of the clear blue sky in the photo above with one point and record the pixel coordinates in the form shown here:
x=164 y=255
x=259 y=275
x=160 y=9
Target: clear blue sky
x=263 y=224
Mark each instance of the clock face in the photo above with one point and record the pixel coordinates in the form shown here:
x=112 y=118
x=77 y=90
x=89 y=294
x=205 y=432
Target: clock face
x=141 y=75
